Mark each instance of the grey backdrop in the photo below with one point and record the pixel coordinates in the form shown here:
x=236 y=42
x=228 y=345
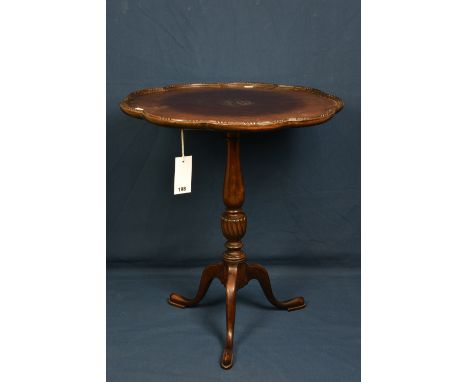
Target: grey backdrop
x=302 y=195
x=302 y=185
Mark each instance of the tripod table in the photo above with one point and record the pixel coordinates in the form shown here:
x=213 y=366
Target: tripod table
x=233 y=108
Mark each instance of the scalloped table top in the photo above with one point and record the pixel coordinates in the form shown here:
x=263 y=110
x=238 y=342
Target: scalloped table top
x=240 y=106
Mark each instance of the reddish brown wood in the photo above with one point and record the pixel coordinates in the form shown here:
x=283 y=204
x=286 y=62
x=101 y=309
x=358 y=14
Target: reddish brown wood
x=233 y=107
x=231 y=290
x=234 y=273
x=209 y=273
x=237 y=106
x=256 y=271
x=233 y=193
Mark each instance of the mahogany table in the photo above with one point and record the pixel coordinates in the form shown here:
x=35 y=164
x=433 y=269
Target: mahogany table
x=233 y=108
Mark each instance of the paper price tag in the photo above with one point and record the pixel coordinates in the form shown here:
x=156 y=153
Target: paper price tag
x=183 y=175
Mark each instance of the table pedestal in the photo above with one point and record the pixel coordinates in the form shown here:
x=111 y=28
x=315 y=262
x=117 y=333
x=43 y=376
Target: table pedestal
x=233 y=272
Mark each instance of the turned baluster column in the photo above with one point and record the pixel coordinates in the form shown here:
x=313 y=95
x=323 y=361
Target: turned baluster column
x=234 y=272
x=233 y=220
x=233 y=225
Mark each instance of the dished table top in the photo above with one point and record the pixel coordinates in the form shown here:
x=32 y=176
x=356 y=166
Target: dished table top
x=240 y=106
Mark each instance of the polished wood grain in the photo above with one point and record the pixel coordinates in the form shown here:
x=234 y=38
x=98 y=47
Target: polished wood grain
x=234 y=272
x=237 y=106
x=209 y=273
x=233 y=108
